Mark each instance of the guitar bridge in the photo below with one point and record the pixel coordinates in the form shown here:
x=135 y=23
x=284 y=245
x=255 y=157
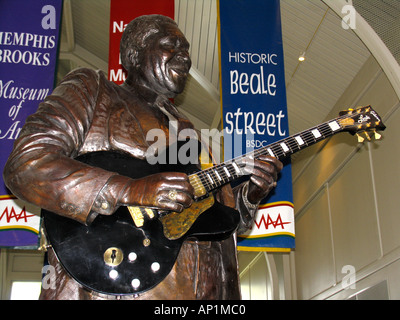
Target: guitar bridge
x=202 y=197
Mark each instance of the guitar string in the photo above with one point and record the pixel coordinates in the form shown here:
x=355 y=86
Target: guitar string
x=290 y=141
x=324 y=129
x=205 y=181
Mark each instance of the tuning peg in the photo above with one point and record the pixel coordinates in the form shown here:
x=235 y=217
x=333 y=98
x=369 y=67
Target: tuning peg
x=377 y=135
x=367 y=136
x=360 y=138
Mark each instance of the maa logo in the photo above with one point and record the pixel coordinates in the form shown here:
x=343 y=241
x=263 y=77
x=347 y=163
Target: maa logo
x=11 y=214
x=269 y=222
x=272 y=219
x=17 y=214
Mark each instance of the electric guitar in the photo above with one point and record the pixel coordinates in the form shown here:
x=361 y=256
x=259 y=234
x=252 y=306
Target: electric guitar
x=134 y=249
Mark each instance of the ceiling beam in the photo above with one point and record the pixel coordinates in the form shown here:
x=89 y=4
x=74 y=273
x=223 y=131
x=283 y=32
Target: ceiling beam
x=73 y=52
x=212 y=91
x=306 y=49
x=373 y=42
x=69 y=25
x=84 y=58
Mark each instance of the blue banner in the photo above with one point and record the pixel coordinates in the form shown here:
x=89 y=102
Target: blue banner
x=29 y=32
x=254 y=108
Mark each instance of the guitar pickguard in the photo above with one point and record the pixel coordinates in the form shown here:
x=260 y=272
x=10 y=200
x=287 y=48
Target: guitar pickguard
x=176 y=224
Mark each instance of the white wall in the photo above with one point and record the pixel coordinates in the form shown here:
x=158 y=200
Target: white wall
x=346 y=199
x=266 y=276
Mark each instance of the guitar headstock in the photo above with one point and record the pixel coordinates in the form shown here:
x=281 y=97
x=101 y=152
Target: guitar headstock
x=364 y=120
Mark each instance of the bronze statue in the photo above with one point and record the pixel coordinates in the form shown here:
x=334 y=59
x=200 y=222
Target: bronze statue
x=87 y=113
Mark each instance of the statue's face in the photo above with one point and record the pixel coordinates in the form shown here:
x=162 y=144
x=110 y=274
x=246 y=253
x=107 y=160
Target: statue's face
x=165 y=61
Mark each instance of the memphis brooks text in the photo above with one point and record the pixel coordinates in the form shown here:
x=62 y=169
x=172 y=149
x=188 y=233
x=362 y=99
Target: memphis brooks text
x=26 y=48
x=21 y=48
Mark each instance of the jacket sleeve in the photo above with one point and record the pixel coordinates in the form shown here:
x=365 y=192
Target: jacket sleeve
x=41 y=169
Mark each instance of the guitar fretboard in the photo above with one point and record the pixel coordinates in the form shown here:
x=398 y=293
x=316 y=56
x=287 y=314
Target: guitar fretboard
x=228 y=171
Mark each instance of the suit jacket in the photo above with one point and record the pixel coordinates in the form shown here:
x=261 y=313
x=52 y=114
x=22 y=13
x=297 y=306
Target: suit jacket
x=87 y=113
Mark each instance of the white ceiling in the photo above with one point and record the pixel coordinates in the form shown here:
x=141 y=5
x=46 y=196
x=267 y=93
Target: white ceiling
x=333 y=55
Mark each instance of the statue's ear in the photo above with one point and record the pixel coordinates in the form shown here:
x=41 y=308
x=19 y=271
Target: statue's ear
x=132 y=56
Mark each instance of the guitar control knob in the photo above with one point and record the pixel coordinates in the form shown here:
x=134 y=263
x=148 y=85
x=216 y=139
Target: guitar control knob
x=135 y=283
x=132 y=256
x=146 y=242
x=155 y=266
x=113 y=274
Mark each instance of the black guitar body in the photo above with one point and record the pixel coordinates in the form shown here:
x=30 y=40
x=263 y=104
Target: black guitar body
x=112 y=255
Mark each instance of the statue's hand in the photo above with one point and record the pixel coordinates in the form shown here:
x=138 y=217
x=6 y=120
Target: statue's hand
x=264 y=173
x=166 y=191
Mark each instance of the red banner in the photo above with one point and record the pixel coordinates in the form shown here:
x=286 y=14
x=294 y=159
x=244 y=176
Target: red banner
x=121 y=13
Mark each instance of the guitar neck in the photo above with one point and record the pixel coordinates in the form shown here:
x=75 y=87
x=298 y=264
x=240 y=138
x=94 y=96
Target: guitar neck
x=228 y=171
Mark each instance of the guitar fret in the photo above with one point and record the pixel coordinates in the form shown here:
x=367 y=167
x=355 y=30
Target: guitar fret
x=308 y=137
x=219 y=180
x=276 y=148
x=316 y=133
x=211 y=180
x=205 y=181
x=213 y=176
x=334 y=125
x=231 y=170
x=292 y=143
x=284 y=147
x=222 y=174
x=218 y=176
x=299 y=140
x=328 y=128
x=307 y=140
x=227 y=172
x=270 y=152
x=235 y=166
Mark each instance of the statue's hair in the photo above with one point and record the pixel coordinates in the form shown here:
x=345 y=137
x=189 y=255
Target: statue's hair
x=135 y=35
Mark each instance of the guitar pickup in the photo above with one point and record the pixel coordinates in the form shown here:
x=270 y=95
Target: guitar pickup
x=137 y=214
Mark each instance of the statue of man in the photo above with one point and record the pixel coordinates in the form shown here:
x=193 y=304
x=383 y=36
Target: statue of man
x=87 y=113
